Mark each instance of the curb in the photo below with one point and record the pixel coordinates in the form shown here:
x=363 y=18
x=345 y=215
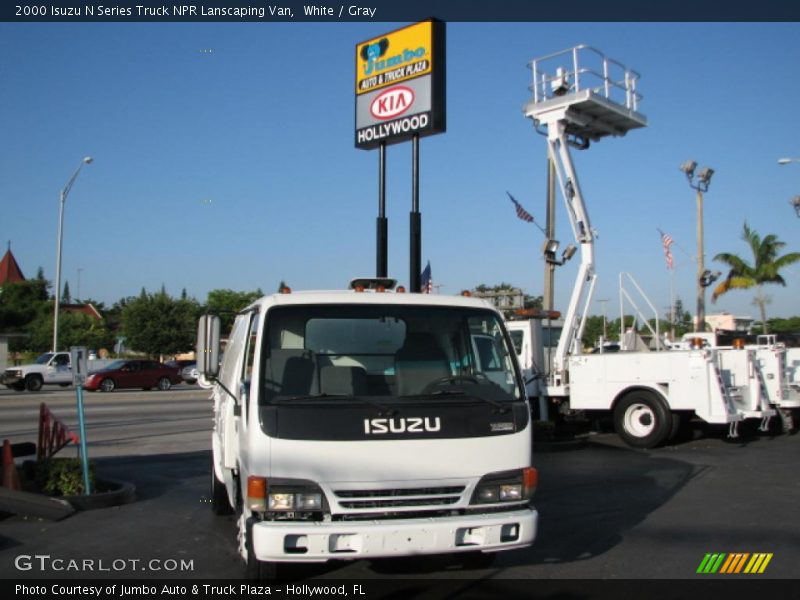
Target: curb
x=117 y=494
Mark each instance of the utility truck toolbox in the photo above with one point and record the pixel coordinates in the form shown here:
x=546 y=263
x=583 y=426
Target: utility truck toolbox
x=369 y=423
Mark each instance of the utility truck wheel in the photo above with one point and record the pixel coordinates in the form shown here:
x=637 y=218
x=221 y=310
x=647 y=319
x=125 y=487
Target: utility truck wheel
x=642 y=419
x=219 y=496
x=33 y=383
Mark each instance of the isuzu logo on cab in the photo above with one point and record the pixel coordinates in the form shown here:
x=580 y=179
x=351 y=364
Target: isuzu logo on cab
x=392 y=103
x=402 y=425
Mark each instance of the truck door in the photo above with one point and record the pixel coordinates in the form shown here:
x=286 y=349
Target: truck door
x=58 y=371
x=235 y=375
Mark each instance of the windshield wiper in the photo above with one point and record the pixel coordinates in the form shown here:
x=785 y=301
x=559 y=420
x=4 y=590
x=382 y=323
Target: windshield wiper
x=388 y=410
x=500 y=406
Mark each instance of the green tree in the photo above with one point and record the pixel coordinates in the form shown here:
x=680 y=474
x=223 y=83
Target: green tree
x=226 y=303
x=592 y=331
x=20 y=305
x=765 y=268
x=66 y=297
x=683 y=319
x=74 y=329
x=157 y=324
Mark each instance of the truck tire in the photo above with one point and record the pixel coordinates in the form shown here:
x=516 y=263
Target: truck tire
x=642 y=419
x=33 y=383
x=219 y=496
x=257 y=570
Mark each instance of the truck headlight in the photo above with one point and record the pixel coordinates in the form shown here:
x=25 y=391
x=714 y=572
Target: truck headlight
x=507 y=486
x=284 y=495
x=296 y=501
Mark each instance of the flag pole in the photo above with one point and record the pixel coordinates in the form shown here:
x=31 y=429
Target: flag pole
x=672 y=303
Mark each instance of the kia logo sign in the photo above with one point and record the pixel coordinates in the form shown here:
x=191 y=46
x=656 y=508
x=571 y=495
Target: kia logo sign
x=392 y=103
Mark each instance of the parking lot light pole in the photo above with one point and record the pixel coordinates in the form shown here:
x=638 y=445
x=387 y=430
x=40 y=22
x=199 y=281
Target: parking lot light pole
x=795 y=202
x=700 y=182
x=57 y=292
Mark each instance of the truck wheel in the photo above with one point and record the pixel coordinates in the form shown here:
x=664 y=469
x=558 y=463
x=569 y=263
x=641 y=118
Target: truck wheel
x=164 y=384
x=642 y=419
x=475 y=560
x=257 y=570
x=107 y=385
x=219 y=496
x=33 y=383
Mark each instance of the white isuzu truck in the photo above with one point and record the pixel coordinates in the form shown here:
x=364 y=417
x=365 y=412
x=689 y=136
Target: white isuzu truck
x=369 y=423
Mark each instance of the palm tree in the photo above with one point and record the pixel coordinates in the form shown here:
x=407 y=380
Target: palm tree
x=765 y=268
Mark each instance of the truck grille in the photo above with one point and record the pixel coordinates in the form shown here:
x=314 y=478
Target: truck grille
x=399 y=497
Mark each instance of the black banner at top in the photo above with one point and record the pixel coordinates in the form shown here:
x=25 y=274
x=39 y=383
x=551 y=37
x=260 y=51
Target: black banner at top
x=399 y=11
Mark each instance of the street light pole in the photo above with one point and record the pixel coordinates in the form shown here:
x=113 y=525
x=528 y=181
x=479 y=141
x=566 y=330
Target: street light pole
x=701 y=267
x=700 y=182
x=57 y=295
x=795 y=202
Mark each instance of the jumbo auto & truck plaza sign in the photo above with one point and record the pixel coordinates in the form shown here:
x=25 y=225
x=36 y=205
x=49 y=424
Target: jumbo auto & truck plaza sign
x=400 y=85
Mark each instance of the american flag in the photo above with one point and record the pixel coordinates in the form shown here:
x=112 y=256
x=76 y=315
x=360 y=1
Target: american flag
x=666 y=242
x=521 y=212
x=426 y=282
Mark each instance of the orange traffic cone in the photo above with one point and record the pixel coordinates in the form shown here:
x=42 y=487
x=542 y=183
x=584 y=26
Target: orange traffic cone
x=10 y=475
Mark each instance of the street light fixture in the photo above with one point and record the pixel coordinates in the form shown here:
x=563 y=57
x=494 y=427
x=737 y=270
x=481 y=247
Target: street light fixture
x=63 y=198
x=699 y=182
x=550 y=248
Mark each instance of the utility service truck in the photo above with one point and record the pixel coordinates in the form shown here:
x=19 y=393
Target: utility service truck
x=369 y=423
x=581 y=96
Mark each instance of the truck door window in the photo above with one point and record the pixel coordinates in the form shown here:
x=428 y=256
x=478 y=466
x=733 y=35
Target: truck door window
x=250 y=348
x=62 y=360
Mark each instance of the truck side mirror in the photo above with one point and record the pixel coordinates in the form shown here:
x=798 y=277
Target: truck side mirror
x=208 y=346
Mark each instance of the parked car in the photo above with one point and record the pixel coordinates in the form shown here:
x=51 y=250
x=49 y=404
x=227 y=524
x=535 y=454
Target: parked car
x=189 y=373
x=145 y=374
x=180 y=364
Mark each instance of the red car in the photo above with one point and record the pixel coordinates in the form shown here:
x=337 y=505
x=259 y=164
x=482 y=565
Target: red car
x=145 y=374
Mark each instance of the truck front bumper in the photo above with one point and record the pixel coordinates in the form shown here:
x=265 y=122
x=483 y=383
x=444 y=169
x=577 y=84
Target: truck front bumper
x=9 y=379
x=287 y=541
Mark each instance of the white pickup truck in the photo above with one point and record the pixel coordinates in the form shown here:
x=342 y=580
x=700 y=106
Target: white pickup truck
x=49 y=368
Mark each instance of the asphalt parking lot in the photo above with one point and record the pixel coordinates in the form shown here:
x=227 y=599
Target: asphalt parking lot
x=606 y=511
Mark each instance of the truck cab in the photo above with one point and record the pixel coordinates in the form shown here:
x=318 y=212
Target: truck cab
x=365 y=424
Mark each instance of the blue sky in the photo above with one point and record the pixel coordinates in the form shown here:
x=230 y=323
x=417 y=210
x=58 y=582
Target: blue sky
x=224 y=157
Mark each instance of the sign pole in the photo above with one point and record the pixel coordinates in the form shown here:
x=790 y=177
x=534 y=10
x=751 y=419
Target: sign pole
x=382 y=244
x=78 y=358
x=87 y=487
x=415 y=253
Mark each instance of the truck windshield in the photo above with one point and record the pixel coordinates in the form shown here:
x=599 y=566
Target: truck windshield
x=363 y=351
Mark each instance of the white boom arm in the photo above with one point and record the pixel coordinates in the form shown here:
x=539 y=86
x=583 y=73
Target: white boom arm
x=569 y=342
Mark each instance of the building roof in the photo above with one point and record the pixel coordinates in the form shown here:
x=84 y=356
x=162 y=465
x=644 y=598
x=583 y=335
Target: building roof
x=87 y=309
x=9 y=269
